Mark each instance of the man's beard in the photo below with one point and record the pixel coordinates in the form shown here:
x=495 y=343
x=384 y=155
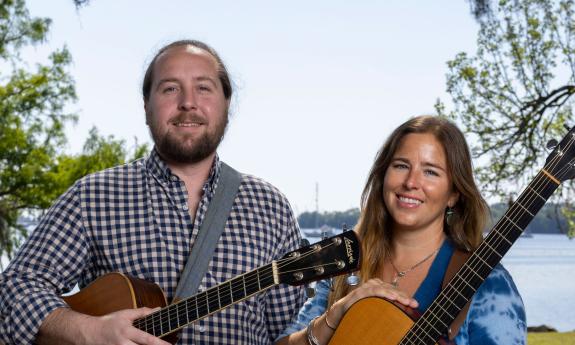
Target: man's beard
x=179 y=149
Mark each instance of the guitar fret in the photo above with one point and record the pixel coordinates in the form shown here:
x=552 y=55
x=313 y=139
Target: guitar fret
x=539 y=195
x=231 y=292
x=496 y=231
x=438 y=317
x=425 y=331
x=477 y=274
x=488 y=245
x=219 y=299
x=452 y=302
x=259 y=283
x=484 y=262
x=517 y=226
x=244 y=282
x=523 y=207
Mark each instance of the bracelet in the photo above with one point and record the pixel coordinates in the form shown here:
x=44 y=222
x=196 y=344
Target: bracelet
x=327 y=322
x=311 y=339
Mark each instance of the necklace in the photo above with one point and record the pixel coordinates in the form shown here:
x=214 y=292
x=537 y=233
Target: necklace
x=400 y=274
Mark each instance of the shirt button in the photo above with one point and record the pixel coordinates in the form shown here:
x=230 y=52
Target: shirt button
x=200 y=328
x=174 y=178
x=185 y=207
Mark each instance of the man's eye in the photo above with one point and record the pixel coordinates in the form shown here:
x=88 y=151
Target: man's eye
x=169 y=89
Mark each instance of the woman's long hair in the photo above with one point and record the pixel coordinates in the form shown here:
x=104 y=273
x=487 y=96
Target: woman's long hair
x=373 y=228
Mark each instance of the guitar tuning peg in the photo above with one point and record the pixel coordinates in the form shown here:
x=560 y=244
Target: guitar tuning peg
x=304 y=242
x=344 y=227
x=552 y=144
x=309 y=291
x=352 y=279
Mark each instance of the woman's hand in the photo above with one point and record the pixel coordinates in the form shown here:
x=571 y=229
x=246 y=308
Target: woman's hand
x=372 y=288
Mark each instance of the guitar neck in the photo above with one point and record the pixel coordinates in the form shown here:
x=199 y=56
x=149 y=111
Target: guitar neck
x=441 y=313
x=184 y=312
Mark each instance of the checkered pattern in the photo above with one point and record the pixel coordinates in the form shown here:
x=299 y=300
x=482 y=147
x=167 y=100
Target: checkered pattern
x=134 y=219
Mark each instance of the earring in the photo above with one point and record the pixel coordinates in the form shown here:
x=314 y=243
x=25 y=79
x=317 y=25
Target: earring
x=449 y=214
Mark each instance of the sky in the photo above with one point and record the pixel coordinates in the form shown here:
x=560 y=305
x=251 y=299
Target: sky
x=319 y=84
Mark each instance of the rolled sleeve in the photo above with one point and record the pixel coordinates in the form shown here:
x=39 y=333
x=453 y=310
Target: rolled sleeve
x=46 y=266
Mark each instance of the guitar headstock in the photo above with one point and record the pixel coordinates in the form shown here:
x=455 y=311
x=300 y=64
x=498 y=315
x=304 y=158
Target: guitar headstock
x=560 y=164
x=329 y=257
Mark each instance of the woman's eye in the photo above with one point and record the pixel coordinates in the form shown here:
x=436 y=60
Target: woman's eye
x=431 y=173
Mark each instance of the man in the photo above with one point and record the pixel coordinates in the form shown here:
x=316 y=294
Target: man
x=142 y=219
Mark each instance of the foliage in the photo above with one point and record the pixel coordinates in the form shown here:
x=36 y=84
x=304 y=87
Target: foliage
x=32 y=118
x=34 y=170
x=516 y=92
x=335 y=219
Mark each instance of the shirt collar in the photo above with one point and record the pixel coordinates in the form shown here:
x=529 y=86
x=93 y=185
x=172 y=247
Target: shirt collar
x=157 y=167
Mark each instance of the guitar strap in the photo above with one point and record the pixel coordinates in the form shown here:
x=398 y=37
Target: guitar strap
x=457 y=260
x=209 y=233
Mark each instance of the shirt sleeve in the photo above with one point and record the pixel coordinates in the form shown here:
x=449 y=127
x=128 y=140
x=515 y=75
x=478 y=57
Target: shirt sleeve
x=284 y=301
x=46 y=266
x=313 y=307
x=496 y=314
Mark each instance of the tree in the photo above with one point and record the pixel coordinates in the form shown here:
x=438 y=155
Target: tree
x=34 y=169
x=516 y=92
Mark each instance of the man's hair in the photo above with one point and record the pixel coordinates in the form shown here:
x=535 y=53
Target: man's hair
x=222 y=70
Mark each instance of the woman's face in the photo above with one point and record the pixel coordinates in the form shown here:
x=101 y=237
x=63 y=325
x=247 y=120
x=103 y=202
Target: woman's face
x=417 y=187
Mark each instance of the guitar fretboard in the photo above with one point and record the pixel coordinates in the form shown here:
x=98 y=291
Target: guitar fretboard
x=182 y=313
x=441 y=313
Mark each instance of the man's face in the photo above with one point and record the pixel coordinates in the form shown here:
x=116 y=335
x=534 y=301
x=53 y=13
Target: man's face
x=187 y=112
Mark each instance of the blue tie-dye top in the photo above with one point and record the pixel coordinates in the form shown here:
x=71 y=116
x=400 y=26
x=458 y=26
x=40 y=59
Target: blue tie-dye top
x=496 y=313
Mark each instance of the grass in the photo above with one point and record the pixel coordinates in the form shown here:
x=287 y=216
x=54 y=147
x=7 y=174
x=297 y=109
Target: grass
x=551 y=338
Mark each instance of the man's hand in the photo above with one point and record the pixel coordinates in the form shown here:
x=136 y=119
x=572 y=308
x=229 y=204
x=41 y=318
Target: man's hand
x=65 y=326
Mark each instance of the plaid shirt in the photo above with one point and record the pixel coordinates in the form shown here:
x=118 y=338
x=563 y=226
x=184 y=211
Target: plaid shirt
x=135 y=219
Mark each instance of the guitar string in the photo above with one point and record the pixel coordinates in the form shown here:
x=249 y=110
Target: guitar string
x=213 y=295
x=482 y=249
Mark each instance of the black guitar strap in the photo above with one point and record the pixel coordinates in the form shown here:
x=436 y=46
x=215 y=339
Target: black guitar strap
x=209 y=233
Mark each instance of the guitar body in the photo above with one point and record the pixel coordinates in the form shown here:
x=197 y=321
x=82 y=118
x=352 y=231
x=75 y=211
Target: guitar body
x=373 y=320
x=116 y=291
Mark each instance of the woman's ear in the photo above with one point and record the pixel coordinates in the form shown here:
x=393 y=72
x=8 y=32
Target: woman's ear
x=453 y=199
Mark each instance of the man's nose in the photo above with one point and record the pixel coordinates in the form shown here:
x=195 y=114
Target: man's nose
x=187 y=100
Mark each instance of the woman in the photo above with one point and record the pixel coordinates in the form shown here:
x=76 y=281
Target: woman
x=419 y=206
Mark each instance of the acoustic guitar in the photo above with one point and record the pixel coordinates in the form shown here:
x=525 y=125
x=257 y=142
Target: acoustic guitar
x=378 y=321
x=115 y=291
